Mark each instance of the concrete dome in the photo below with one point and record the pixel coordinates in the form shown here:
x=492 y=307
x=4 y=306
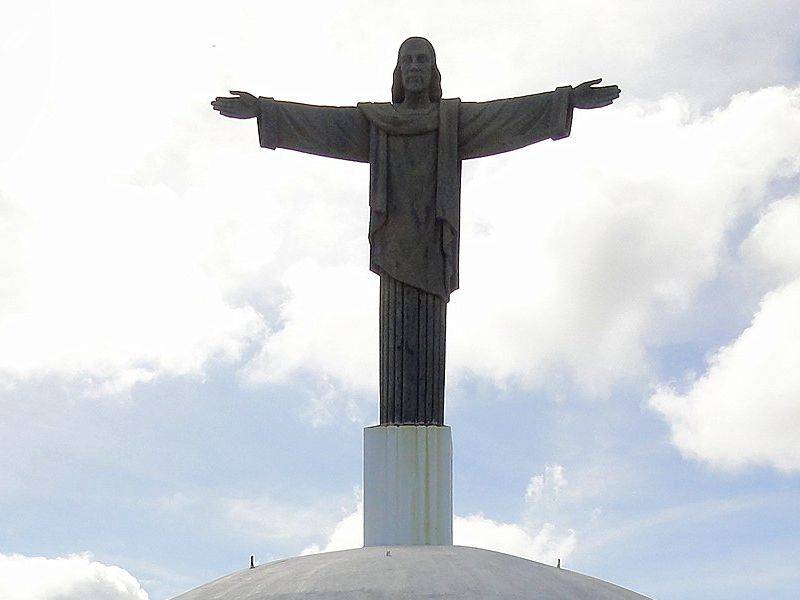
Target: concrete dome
x=409 y=573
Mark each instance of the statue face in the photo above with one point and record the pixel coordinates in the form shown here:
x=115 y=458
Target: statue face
x=416 y=63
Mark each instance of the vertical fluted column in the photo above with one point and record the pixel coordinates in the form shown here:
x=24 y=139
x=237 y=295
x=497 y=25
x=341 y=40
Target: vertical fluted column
x=412 y=354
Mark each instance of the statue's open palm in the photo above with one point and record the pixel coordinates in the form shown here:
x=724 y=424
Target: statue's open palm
x=586 y=96
x=241 y=106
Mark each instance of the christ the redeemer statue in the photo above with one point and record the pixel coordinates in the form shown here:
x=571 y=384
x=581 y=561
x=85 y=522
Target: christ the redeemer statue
x=414 y=146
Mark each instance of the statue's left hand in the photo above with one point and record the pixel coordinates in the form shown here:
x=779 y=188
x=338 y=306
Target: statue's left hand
x=242 y=106
x=586 y=96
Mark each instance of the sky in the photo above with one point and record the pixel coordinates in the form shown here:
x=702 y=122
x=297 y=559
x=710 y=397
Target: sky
x=188 y=324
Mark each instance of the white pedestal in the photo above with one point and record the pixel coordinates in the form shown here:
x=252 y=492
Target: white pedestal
x=408 y=485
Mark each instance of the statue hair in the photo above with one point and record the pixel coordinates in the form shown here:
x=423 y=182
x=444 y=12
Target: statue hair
x=435 y=89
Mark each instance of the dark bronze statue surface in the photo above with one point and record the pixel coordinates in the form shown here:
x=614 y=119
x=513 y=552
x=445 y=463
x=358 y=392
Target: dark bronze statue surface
x=414 y=146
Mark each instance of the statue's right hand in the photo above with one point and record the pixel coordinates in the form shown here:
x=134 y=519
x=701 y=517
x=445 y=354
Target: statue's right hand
x=241 y=106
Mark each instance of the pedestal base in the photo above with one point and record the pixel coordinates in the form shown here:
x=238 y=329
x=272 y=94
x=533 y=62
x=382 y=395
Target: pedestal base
x=408 y=485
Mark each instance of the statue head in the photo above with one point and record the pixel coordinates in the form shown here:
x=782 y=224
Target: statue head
x=416 y=70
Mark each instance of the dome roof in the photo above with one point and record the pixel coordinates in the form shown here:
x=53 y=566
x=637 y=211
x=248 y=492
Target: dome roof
x=408 y=573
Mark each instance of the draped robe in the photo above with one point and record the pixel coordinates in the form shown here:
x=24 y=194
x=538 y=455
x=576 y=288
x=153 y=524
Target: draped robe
x=414 y=198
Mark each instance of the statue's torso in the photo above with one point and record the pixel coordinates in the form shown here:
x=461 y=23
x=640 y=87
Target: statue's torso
x=411 y=237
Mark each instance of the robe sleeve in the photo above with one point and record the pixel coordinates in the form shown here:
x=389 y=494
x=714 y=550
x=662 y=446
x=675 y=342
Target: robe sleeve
x=332 y=131
x=486 y=128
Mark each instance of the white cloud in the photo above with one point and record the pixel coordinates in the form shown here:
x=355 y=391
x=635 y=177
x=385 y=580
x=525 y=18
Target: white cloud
x=744 y=409
x=120 y=302
x=773 y=244
x=545 y=544
x=546 y=485
x=348 y=533
x=73 y=577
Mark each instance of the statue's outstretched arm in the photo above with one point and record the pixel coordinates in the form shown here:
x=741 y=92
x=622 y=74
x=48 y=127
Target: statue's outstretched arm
x=333 y=131
x=487 y=128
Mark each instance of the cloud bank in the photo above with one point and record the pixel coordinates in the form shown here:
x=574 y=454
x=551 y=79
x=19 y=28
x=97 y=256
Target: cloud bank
x=73 y=577
x=162 y=240
x=744 y=409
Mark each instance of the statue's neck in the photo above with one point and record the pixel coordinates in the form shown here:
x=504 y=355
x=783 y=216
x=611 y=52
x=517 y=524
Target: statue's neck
x=416 y=101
